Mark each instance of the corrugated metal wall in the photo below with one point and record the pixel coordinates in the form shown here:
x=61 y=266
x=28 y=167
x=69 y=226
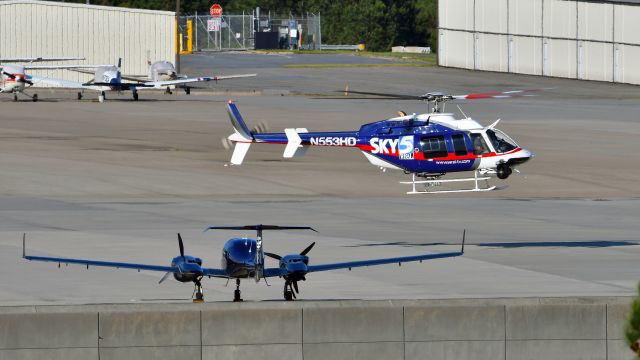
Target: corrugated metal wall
x=101 y=34
x=564 y=38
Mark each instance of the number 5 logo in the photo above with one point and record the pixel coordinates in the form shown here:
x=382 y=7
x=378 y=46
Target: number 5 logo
x=405 y=147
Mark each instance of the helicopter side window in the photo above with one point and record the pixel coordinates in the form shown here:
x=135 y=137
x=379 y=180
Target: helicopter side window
x=500 y=141
x=434 y=147
x=479 y=146
x=459 y=146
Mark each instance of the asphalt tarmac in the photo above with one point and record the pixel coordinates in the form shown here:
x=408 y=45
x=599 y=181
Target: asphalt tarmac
x=118 y=180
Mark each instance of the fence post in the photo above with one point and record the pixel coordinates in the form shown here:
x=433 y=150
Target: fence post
x=319 y=32
x=197 y=23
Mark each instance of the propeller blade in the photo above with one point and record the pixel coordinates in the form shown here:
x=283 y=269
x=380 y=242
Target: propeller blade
x=165 y=277
x=13 y=77
x=295 y=286
x=306 y=251
x=181 y=245
x=119 y=63
x=274 y=256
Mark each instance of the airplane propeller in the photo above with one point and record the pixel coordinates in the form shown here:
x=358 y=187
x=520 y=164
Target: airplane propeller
x=291 y=282
x=181 y=247
x=303 y=252
x=18 y=79
x=307 y=249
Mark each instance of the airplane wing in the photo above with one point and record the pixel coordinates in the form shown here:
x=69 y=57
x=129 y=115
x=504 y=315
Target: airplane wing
x=70 y=67
x=214 y=272
x=76 y=69
x=101 y=263
x=139 y=78
x=38 y=59
x=58 y=82
x=198 y=79
x=270 y=272
x=374 y=262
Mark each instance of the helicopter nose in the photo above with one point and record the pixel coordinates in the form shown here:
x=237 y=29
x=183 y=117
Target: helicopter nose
x=528 y=154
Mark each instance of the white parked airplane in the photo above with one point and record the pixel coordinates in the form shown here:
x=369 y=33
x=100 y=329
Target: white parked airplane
x=109 y=78
x=14 y=79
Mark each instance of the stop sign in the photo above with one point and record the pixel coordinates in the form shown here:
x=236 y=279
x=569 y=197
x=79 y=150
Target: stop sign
x=215 y=10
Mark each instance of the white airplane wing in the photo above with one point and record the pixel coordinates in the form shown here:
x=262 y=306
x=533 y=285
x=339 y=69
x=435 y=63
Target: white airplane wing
x=70 y=67
x=160 y=84
x=39 y=59
x=67 y=84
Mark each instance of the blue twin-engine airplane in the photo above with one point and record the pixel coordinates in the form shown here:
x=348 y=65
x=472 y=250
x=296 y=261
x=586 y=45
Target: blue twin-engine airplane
x=428 y=146
x=243 y=258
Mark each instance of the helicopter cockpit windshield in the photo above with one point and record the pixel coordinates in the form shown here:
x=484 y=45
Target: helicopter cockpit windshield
x=501 y=142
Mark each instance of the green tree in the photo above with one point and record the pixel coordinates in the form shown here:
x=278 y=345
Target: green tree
x=632 y=328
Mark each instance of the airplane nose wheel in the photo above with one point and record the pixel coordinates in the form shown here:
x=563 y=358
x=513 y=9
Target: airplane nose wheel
x=289 y=294
x=199 y=294
x=236 y=293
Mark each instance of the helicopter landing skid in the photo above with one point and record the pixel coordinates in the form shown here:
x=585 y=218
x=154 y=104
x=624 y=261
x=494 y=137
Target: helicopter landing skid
x=436 y=181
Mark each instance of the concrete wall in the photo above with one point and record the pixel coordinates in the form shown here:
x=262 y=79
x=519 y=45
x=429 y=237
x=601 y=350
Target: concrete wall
x=101 y=34
x=537 y=328
x=591 y=40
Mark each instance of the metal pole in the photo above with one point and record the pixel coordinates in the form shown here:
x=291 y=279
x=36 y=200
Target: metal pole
x=243 y=36
x=196 y=21
x=229 y=32
x=319 y=33
x=178 y=36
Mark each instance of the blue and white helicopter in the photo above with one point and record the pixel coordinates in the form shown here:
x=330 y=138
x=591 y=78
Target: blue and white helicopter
x=243 y=258
x=427 y=146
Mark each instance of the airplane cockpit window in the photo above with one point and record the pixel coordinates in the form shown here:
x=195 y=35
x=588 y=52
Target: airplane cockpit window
x=479 y=145
x=500 y=141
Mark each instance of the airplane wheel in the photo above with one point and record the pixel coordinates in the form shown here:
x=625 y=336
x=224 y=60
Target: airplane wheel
x=35 y=97
x=15 y=97
x=101 y=98
x=135 y=96
x=187 y=90
x=288 y=295
x=79 y=96
x=236 y=296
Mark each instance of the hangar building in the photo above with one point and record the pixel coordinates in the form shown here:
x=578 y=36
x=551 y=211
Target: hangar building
x=101 y=34
x=580 y=39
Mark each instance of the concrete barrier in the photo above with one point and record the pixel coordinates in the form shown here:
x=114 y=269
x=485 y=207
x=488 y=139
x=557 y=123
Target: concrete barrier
x=532 y=328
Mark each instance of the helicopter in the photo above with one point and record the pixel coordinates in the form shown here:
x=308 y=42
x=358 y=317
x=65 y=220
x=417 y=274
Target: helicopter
x=427 y=146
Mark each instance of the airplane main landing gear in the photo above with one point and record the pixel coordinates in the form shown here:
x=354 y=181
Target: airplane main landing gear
x=15 y=97
x=199 y=294
x=168 y=91
x=102 y=97
x=34 y=98
x=79 y=96
x=236 y=293
x=187 y=90
x=135 y=95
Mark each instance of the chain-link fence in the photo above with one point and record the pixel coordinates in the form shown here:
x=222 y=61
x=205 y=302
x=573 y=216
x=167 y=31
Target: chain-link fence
x=238 y=32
